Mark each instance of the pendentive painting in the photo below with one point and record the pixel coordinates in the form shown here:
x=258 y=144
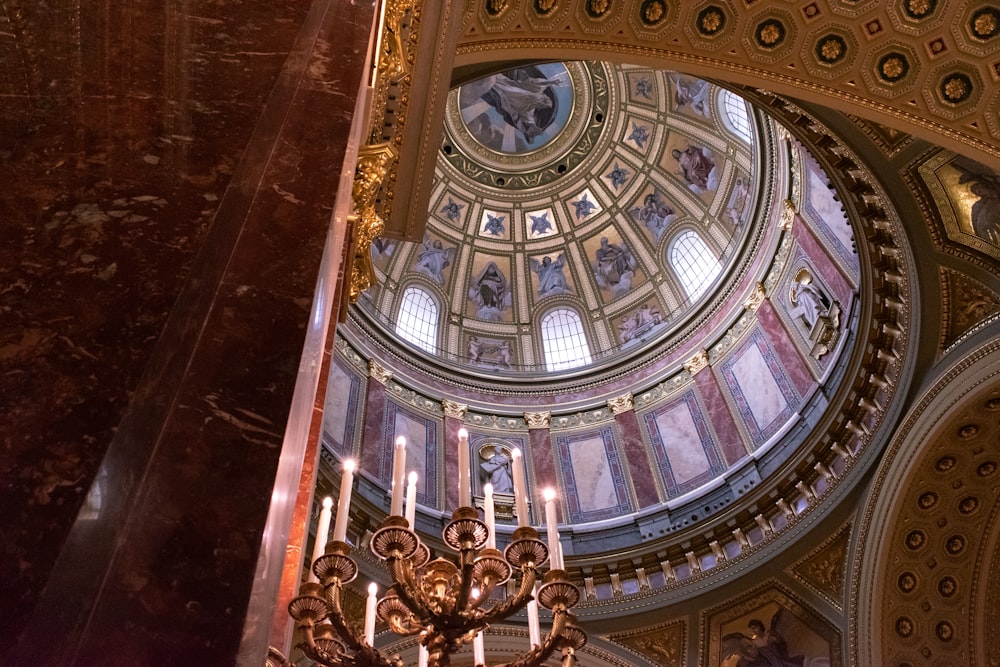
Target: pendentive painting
x=771 y=629
x=968 y=195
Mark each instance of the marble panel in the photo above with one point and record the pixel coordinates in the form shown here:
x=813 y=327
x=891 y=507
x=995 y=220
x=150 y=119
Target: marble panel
x=373 y=441
x=799 y=371
x=638 y=458
x=683 y=444
x=421 y=433
x=825 y=214
x=341 y=408
x=720 y=416
x=831 y=274
x=760 y=387
x=593 y=478
x=541 y=466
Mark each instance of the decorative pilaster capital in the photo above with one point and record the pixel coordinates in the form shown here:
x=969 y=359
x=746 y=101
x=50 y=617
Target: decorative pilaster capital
x=697 y=362
x=538 y=419
x=620 y=404
x=788 y=214
x=378 y=372
x=756 y=297
x=454 y=409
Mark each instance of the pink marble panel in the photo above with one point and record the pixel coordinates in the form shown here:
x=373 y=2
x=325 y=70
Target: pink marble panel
x=830 y=272
x=790 y=354
x=730 y=440
x=541 y=469
x=637 y=456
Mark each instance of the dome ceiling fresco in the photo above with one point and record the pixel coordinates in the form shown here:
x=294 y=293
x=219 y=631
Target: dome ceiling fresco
x=582 y=213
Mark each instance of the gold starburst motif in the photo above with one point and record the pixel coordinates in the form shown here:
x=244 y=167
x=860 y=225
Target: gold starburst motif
x=918 y=7
x=831 y=49
x=893 y=68
x=711 y=21
x=654 y=11
x=985 y=25
x=769 y=34
x=955 y=89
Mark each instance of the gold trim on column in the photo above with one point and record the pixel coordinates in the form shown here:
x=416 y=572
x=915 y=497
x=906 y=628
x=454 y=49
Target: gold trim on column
x=697 y=362
x=538 y=419
x=379 y=373
x=454 y=409
x=620 y=404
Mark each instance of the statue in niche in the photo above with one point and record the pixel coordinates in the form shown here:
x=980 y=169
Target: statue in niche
x=808 y=302
x=433 y=258
x=551 y=279
x=818 y=314
x=496 y=465
x=614 y=267
x=490 y=291
x=697 y=168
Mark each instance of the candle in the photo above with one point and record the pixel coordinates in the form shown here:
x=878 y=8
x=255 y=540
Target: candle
x=422 y=656
x=398 y=477
x=370 y=614
x=344 y=506
x=478 y=650
x=411 y=498
x=322 y=530
x=534 y=631
x=464 y=485
x=520 y=489
x=490 y=511
x=555 y=555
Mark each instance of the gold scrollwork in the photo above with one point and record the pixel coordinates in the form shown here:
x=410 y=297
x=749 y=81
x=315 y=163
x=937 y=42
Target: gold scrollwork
x=454 y=409
x=374 y=162
x=379 y=373
x=788 y=213
x=756 y=297
x=538 y=419
x=620 y=404
x=697 y=362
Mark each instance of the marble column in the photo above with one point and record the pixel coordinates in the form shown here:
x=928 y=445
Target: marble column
x=374 y=437
x=454 y=419
x=162 y=567
x=542 y=468
x=719 y=414
x=640 y=467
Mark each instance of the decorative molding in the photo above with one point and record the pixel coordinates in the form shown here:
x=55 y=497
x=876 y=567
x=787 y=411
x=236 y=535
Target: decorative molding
x=538 y=419
x=621 y=404
x=788 y=213
x=379 y=373
x=824 y=569
x=698 y=362
x=756 y=298
x=454 y=409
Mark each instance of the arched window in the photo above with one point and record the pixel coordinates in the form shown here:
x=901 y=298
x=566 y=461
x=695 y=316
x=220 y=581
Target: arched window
x=694 y=263
x=417 y=321
x=736 y=114
x=563 y=341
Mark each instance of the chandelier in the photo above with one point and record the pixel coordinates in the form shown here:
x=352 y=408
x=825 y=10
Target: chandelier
x=444 y=603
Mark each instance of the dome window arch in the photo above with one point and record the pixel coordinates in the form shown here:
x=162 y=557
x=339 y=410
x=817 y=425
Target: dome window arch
x=736 y=115
x=694 y=263
x=417 y=319
x=564 y=342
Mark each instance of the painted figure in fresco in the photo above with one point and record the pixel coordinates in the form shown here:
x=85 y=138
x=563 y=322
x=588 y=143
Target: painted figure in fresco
x=738 y=201
x=639 y=322
x=494 y=225
x=985 y=212
x=503 y=352
x=433 y=258
x=614 y=267
x=524 y=98
x=489 y=290
x=691 y=93
x=551 y=279
x=763 y=648
x=808 y=302
x=475 y=349
x=696 y=167
x=496 y=465
x=655 y=214
x=540 y=224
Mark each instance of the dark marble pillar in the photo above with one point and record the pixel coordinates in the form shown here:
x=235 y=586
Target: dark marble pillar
x=454 y=419
x=791 y=355
x=373 y=437
x=719 y=415
x=541 y=464
x=160 y=568
x=639 y=467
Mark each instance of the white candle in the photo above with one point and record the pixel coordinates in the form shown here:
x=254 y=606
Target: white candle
x=478 y=650
x=344 y=506
x=520 y=489
x=398 y=477
x=490 y=511
x=422 y=656
x=534 y=631
x=370 y=614
x=464 y=484
x=322 y=531
x=555 y=555
x=411 y=498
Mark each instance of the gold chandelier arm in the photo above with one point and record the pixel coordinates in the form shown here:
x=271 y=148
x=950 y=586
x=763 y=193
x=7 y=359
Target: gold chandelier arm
x=406 y=587
x=512 y=603
x=467 y=560
x=404 y=628
x=539 y=654
x=337 y=619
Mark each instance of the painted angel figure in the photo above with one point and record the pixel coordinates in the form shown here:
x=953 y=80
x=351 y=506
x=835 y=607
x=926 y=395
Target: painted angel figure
x=551 y=279
x=763 y=648
x=433 y=258
x=697 y=168
x=691 y=93
x=655 y=214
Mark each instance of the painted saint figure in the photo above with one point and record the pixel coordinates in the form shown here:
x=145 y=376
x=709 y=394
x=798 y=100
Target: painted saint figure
x=696 y=167
x=551 y=279
x=763 y=648
x=490 y=291
x=614 y=267
x=655 y=214
x=433 y=258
